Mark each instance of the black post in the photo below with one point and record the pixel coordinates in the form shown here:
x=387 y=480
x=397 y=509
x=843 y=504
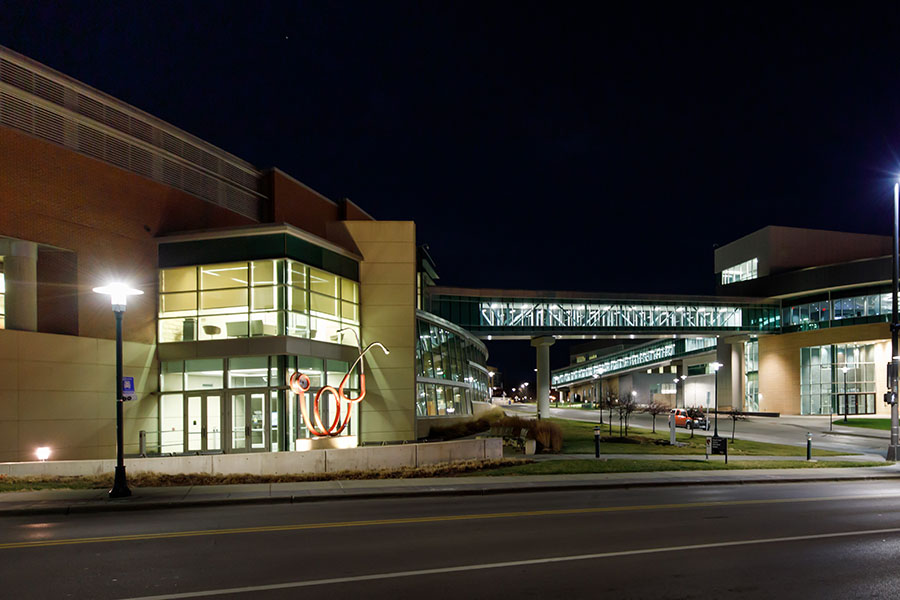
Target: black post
x=892 y=453
x=846 y=407
x=716 y=432
x=596 y=442
x=808 y=446
x=120 y=483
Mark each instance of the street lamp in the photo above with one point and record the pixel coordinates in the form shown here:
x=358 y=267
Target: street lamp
x=892 y=453
x=118 y=294
x=715 y=367
x=844 y=370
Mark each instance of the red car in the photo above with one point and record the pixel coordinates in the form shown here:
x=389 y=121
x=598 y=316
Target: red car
x=681 y=417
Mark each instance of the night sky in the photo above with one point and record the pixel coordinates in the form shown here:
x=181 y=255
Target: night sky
x=536 y=146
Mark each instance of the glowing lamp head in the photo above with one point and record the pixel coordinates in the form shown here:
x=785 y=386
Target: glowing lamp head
x=118 y=293
x=42 y=453
x=716 y=366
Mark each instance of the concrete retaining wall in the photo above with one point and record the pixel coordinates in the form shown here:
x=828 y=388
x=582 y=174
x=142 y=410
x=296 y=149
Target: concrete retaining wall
x=276 y=463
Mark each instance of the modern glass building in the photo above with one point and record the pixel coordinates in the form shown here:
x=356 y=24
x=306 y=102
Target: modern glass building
x=248 y=275
x=451 y=371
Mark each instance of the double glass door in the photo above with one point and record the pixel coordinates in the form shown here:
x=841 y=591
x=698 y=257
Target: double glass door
x=249 y=421
x=236 y=421
x=856 y=404
x=203 y=422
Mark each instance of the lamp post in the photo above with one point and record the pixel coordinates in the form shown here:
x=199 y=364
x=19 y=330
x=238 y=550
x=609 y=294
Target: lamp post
x=716 y=366
x=892 y=452
x=844 y=370
x=118 y=294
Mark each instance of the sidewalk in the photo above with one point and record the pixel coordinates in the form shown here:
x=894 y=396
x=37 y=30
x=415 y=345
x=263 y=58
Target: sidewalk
x=81 y=501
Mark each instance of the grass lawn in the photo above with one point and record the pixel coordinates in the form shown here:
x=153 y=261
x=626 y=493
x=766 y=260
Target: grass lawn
x=578 y=438
x=619 y=465
x=869 y=423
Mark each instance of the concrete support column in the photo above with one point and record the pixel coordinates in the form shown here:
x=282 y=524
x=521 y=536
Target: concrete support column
x=20 y=272
x=731 y=383
x=679 y=387
x=542 y=344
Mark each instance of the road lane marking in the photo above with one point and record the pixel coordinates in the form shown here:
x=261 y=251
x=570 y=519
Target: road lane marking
x=434 y=519
x=516 y=563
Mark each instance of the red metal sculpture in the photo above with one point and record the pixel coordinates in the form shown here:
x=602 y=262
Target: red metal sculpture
x=300 y=384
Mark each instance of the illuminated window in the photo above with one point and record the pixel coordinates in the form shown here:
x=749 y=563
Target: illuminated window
x=743 y=272
x=837 y=379
x=256 y=298
x=2 y=297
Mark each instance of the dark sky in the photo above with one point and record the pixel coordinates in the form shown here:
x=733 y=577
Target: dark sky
x=536 y=146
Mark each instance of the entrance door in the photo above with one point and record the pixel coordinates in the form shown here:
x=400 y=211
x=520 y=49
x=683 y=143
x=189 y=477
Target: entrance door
x=203 y=423
x=249 y=421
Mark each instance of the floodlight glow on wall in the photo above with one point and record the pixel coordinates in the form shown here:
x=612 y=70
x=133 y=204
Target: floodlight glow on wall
x=42 y=453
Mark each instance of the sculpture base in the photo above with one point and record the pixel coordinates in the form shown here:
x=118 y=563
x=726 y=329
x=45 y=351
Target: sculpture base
x=326 y=443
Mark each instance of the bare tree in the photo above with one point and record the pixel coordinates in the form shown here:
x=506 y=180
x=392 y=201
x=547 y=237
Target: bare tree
x=736 y=415
x=655 y=409
x=626 y=406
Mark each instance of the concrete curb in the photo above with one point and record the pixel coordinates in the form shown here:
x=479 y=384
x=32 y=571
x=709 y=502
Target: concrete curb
x=62 y=508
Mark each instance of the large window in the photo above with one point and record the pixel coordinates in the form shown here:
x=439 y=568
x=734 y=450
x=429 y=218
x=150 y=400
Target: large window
x=751 y=376
x=450 y=371
x=837 y=379
x=2 y=296
x=256 y=298
x=743 y=272
x=812 y=315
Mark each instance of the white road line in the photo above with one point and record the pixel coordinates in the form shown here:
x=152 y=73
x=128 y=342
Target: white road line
x=503 y=565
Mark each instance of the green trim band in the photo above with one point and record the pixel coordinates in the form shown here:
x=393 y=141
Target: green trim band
x=255 y=247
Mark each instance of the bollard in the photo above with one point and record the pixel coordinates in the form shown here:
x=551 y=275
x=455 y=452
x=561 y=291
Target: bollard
x=596 y=442
x=142 y=443
x=808 y=446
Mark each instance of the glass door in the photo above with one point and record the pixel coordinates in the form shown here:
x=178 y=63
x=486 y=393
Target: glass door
x=249 y=431
x=203 y=422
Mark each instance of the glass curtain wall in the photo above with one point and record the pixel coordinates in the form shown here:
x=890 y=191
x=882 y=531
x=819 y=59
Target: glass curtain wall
x=751 y=376
x=812 y=315
x=450 y=372
x=256 y=298
x=257 y=382
x=837 y=378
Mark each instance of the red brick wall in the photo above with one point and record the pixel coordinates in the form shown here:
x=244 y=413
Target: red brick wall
x=106 y=215
x=295 y=204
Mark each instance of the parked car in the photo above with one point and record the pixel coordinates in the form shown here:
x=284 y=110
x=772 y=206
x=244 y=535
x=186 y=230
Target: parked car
x=698 y=420
x=681 y=417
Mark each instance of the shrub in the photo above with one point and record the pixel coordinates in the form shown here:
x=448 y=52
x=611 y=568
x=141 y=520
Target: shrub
x=467 y=428
x=547 y=434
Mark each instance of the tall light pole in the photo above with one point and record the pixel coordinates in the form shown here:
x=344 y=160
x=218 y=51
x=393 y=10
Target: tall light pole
x=716 y=366
x=892 y=452
x=118 y=294
x=844 y=370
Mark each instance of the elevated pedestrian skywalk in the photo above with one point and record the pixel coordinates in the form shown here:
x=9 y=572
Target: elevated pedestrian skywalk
x=511 y=314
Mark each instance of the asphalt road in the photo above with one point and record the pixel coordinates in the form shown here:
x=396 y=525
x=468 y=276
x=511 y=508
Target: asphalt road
x=783 y=430
x=824 y=540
